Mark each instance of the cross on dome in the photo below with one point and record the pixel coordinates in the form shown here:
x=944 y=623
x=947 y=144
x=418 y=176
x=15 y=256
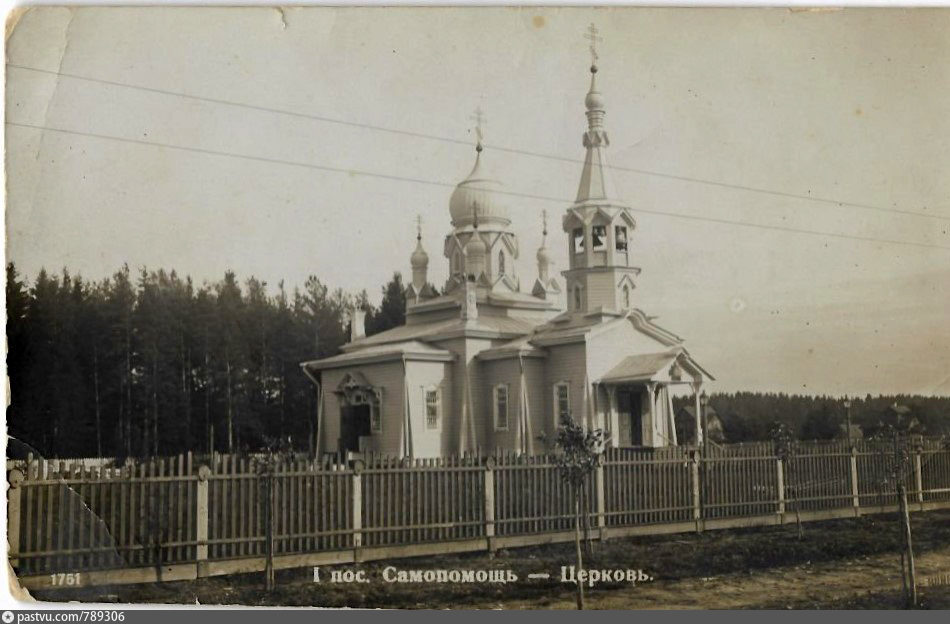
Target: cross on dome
x=591 y=35
x=479 y=118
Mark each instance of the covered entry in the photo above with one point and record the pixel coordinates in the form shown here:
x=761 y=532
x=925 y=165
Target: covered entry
x=359 y=412
x=640 y=405
x=629 y=416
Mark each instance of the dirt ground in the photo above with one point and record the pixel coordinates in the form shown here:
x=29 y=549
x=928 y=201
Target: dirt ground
x=851 y=563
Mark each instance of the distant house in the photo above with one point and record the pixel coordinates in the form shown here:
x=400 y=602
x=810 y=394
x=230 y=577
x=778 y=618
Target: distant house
x=686 y=425
x=855 y=434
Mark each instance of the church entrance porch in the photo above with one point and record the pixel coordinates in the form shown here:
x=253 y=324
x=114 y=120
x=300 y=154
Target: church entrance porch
x=354 y=424
x=629 y=417
x=639 y=414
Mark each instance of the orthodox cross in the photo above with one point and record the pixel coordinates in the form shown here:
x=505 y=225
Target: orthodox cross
x=418 y=227
x=544 y=222
x=479 y=118
x=591 y=35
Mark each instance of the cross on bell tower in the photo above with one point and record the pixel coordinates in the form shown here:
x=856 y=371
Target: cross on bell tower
x=592 y=36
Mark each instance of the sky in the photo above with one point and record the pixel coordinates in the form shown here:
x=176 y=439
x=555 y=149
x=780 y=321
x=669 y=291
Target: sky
x=848 y=105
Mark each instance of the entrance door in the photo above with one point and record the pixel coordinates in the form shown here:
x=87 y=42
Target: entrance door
x=353 y=424
x=630 y=417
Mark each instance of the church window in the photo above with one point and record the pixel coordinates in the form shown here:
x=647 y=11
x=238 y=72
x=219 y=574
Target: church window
x=620 y=236
x=598 y=235
x=456 y=262
x=501 y=263
x=578 y=240
x=433 y=408
x=501 y=407
x=577 y=298
x=562 y=401
x=626 y=296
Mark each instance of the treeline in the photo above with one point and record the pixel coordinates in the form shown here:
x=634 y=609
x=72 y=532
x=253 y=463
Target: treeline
x=750 y=416
x=151 y=363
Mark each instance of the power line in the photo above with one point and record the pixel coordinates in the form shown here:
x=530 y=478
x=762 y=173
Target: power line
x=500 y=148
x=423 y=181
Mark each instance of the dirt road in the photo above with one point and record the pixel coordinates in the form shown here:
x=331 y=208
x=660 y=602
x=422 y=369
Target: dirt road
x=800 y=586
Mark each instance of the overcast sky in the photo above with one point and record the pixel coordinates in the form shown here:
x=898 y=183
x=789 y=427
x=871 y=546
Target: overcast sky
x=847 y=105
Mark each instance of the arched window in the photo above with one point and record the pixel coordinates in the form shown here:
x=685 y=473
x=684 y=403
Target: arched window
x=501 y=263
x=456 y=262
x=626 y=296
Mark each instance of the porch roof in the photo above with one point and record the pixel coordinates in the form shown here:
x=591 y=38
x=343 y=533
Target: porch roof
x=648 y=366
x=640 y=367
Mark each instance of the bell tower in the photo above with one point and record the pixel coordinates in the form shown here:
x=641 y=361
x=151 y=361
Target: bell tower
x=599 y=225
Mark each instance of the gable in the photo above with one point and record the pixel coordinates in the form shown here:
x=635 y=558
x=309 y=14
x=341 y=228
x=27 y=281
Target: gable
x=615 y=342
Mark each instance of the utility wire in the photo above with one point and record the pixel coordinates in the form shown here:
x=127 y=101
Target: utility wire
x=426 y=182
x=500 y=148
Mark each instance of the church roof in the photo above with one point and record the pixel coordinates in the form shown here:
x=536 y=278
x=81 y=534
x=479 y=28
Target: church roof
x=518 y=346
x=572 y=326
x=490 y=326
x=411 y=350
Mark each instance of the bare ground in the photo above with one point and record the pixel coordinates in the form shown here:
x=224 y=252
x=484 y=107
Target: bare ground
x=852 y=563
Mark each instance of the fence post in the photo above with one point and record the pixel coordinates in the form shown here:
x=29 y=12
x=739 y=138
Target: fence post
x=270 y=491
x=14 y=493
x=694 y=482
x=780 y=486
x=201 y=516
x=855 y=497
x=919 y=478
x=356 y=507
x=488 y=486
x=599 y=492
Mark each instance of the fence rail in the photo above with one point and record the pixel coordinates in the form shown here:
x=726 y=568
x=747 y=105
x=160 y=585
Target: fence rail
x=185 y=517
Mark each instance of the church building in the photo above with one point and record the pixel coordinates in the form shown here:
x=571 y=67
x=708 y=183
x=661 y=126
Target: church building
x=493 y=363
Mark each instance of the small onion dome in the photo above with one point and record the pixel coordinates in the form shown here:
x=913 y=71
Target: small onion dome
x=475 y=248
x=419 y=258
x=544 y=256
x=594 y=100
x=478 y=191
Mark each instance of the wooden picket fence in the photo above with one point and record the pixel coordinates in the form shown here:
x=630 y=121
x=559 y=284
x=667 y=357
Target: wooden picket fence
x=186 y=517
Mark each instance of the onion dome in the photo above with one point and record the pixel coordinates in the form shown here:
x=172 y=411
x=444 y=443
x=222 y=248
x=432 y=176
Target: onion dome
x=475 y=249
x=594 y=100
x=544 y=256
x=419 y=258
x=478 y=192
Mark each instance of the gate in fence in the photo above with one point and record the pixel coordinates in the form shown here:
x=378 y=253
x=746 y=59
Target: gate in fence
x=184 y=517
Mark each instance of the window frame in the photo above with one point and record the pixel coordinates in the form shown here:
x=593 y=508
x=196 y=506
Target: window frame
x=578 y=241
x=621 y=242
x=557 y=401
x=437 y=391
x=495 y=411
x=501 y=262
x=603 y=238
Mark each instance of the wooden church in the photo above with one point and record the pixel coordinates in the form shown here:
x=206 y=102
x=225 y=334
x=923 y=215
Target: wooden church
x=487 y=365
